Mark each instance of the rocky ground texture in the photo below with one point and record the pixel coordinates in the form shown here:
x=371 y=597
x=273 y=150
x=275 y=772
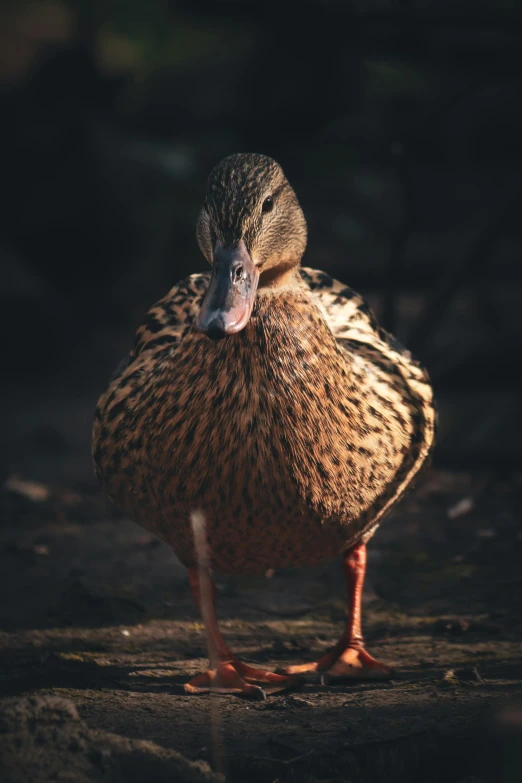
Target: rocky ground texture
x=99 y=634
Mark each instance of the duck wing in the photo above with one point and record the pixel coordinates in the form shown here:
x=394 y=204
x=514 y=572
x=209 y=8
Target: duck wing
x=169 y=320
x=355 y=327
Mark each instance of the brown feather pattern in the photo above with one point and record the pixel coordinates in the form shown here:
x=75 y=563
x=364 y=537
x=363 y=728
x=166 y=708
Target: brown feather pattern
x=294 y=437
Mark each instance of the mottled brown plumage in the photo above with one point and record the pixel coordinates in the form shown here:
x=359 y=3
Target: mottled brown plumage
x=294 y=436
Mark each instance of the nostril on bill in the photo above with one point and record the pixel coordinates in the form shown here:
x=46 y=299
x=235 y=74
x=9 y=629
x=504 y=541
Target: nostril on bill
x=238 y=273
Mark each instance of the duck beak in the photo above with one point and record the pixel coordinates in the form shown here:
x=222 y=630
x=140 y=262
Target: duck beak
x=228 y=303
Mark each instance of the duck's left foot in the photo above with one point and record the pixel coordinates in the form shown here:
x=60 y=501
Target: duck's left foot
x=238 y=678
x=359 y=664
x=348 y=659
x=351 y=663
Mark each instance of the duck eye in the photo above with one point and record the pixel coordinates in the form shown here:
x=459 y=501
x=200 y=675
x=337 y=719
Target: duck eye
x=268 y=204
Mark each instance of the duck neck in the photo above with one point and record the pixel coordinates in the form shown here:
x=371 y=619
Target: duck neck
x=289 y=328
x=284 y=275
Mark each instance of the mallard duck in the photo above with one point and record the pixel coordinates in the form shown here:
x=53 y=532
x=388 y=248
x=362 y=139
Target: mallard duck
x=265 y=397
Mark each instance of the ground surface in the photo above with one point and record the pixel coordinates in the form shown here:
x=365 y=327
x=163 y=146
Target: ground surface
x=97 y=611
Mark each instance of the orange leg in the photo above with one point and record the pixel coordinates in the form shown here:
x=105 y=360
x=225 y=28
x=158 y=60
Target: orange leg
x=348 y=658
x=227 y=674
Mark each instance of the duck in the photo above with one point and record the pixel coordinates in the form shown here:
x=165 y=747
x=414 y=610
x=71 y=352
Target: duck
x=263 y=419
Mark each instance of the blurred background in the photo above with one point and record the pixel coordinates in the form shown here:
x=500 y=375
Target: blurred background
x=398 y=123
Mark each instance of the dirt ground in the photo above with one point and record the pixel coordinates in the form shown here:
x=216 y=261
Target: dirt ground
x=98 y=612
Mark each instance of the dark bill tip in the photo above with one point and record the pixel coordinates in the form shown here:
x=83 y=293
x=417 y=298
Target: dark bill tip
x=215 y=329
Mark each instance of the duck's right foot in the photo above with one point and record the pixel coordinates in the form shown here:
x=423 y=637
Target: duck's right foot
x=238 y=678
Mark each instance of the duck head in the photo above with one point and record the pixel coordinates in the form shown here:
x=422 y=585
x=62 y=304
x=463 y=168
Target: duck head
x=253 y=232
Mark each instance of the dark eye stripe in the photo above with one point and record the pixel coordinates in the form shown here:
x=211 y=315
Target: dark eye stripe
x=277 y=191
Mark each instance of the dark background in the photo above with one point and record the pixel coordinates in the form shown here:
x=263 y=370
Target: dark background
x=398 y=124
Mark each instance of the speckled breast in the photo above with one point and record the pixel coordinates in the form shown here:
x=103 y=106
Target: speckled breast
x=259 y=432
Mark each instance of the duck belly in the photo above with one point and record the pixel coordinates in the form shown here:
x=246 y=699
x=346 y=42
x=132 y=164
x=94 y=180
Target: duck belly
x=289 y=461
x=251 y=537
x=269 y=500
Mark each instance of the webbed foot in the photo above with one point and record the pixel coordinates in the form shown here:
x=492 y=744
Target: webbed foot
x=238 y=678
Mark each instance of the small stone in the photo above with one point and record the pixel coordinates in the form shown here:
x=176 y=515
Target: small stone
x=33 y=490
x=449 y=680
x=461 y=508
